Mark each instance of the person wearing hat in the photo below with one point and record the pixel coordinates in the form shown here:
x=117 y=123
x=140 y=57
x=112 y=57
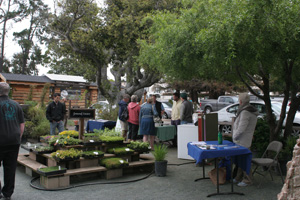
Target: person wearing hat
x=186 y=110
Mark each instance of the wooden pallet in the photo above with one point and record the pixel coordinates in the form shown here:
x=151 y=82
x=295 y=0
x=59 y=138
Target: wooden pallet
x=63 y=180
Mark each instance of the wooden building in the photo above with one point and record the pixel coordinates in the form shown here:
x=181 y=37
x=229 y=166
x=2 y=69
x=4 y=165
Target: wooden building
x=26 y=87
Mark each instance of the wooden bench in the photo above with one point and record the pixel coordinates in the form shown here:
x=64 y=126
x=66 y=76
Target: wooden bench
x=30 y=165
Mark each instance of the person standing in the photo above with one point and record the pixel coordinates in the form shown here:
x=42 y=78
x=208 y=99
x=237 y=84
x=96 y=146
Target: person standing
x=186 y=110
x=11 y=131
x=147 y=127
x=133 y=120
x=175 y=116
x=242 y=133
x=64 y=101
x=158 y=106
x=55 y=114
x=122 y=106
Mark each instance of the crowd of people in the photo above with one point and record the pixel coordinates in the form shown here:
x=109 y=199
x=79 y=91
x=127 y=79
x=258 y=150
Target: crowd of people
x=140 y=121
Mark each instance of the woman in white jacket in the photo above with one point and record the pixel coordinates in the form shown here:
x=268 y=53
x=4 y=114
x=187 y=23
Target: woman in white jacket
x=243 y=130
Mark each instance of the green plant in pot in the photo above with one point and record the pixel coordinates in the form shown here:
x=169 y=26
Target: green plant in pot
x=286 y=153
x=160 y=152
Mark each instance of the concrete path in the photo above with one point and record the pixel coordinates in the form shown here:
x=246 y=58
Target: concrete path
x=177 y=185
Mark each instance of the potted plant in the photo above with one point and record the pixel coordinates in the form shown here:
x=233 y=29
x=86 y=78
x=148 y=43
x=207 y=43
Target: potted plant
x=286 y=153
x=48 y=171
x=71 y=133
x=64 y=141
x=66 y=155
x=160 y=152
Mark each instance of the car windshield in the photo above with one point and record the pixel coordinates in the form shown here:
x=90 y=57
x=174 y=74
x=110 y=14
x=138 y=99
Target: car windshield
x=235 y=99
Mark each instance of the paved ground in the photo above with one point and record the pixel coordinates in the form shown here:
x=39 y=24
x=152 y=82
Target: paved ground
x=178 y=184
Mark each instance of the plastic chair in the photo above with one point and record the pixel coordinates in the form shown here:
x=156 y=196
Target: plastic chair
x=267 y=162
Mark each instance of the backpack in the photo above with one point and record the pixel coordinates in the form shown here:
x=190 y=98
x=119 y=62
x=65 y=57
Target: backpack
x=124 y=116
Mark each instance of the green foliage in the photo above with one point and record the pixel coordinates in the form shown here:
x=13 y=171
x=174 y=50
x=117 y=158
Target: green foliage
x=94 y=139
x=36 y=114
x=62 y=154
x=260 y=137
x=108 y=132
x=29 y=126
x=64 y=141
x=288 y=147
x=119 y=151
x=44 y=93
x=92 y=154
x=90 y=134
x=29 y=96
x=71 y=133
x=139 y=146
x=51 y=169
x=31 y=103
x=44 y=148
x=160 y=152
x=108 y=139
x=46 y=138
x=41 y=128
x=108 y=113
x=113 y=163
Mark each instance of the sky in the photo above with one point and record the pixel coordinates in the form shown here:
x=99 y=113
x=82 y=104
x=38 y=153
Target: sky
x=12 y=47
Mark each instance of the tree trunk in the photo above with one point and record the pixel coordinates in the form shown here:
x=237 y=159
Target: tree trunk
x=295 y=102
x=3 y=37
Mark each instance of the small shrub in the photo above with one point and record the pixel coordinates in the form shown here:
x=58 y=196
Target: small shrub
x=29 y=126
x=42 y=128
x=160 y=152
x=261 y=137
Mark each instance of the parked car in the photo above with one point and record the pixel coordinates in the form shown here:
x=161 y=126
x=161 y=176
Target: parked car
x=226 y=114
x=168 y=110
x=210 y=105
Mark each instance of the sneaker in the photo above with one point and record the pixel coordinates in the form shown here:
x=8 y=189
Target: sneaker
x=242 y=184
x=235 y=181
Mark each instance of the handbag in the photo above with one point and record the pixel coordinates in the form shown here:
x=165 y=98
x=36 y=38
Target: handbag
x=156 y=119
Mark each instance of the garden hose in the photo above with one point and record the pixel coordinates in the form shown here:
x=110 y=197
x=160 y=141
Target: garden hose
x=98 y=183
x=86 y=184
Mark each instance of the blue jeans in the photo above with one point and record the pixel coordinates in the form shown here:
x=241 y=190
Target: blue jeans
x=183 y=122
x=59 y=125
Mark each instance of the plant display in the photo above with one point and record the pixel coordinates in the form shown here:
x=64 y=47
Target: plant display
x=90 y=134
x=71 y=133
x=46 y=138
x=66 y=154
x=113 y=163
x=160 y=152
x=91 y=139
x=64 y=141
x=111 y=138
x=139 y=146
x=108 y=132
x=120 y=151
x=47 y=171
x=92 y=154
x=43 y=149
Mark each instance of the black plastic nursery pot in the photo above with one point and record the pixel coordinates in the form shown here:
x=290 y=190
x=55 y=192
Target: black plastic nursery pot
x=161 y=168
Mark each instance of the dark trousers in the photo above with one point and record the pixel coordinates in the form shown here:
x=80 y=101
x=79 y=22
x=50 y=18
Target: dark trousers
x=176 y=123
x=8 y=158
x=133 y=131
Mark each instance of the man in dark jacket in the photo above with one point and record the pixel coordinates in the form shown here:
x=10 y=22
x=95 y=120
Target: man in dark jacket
x=186 y=110
x=11 y=130
x=122 y=106
x=55 y=114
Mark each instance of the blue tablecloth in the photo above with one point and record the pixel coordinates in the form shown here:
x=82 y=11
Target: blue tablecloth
x=100 y=124
x=241 y=156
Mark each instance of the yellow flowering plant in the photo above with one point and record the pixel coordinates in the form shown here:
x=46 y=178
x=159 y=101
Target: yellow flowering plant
x=71 y=133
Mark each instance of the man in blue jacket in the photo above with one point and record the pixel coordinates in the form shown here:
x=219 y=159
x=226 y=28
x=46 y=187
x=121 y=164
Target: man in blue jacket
x=122 y=106
x=11 y=130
